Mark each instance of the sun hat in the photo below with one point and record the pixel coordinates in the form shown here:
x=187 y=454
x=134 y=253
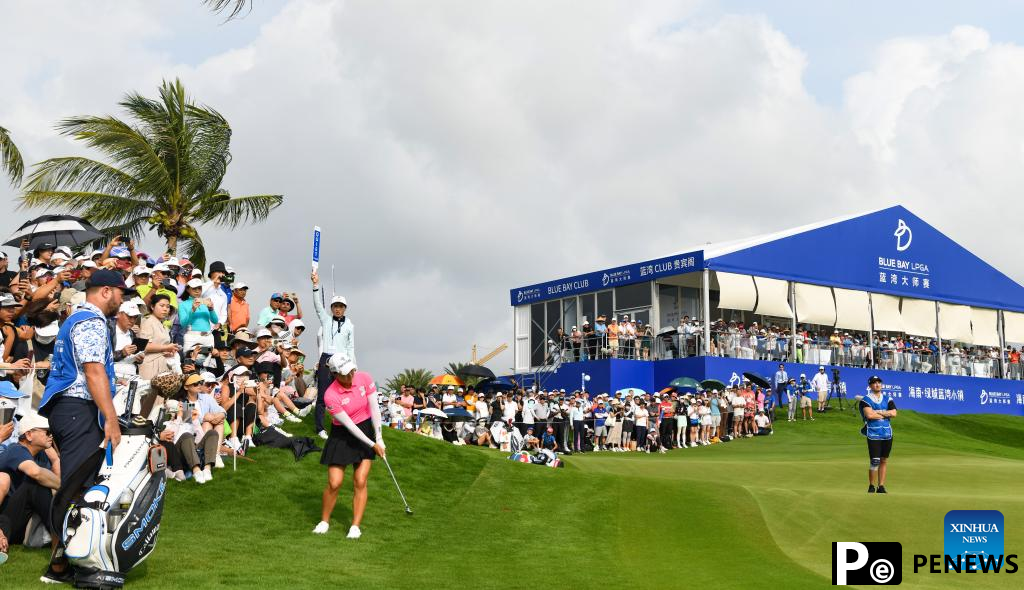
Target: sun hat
x=193 y=379
x=194 y=283
x=339 y=299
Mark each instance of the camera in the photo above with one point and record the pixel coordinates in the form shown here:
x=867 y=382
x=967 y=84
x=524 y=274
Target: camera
x=186 y=410
x=204 y=350
x=227 y=279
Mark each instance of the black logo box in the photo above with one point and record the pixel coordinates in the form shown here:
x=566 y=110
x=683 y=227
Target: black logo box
x=870 y=573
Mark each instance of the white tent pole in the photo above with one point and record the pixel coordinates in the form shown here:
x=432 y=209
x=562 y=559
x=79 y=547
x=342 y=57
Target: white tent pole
x=938 y=338
x=706 y=296
x=1001 y=327
x=871 y=332
x=792 y=332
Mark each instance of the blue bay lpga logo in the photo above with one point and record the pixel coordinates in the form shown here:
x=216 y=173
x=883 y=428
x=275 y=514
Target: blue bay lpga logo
x=902 y=231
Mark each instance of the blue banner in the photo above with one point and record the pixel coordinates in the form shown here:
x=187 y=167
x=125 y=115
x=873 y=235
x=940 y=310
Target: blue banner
x=612 y=277
x=316 y=246
x=923 y=392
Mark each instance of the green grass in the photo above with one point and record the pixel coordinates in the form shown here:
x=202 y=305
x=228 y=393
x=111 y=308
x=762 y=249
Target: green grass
x=760 y=511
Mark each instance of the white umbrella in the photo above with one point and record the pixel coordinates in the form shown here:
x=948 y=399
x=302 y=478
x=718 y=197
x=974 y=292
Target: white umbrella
x=433 y=412
x=630 y=391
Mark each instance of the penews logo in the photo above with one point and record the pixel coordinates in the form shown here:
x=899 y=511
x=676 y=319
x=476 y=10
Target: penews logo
x=867 y=564
x=903 y=236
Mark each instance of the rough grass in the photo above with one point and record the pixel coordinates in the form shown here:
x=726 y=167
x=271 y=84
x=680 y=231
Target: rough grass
x=758 y=512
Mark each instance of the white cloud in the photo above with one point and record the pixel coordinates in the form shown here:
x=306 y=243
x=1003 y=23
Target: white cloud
x=453 y=153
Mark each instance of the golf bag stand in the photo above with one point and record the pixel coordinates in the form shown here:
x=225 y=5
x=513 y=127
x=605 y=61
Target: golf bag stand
x=112 y=521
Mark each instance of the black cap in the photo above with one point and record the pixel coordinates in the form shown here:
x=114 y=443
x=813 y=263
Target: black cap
x=874 y=379
x=44 y=247
x=106 y=278
x=245 y=352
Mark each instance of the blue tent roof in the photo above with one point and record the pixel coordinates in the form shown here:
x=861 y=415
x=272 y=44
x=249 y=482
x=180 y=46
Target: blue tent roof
x=888 y=251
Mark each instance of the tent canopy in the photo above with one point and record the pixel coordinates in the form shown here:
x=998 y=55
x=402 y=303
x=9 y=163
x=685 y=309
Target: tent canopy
x=890 y=251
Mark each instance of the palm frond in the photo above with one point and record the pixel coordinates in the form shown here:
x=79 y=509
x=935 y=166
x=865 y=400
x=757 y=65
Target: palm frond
x=127 y=146
x=222 y=209
x=10 y=158
x=195 y=251
x=99 y=208
x=131 y=228
x=209 y=153
x=236 y=7
x=78 y=174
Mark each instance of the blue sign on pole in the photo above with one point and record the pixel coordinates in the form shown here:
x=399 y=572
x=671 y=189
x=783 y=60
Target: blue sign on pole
x=316 y=247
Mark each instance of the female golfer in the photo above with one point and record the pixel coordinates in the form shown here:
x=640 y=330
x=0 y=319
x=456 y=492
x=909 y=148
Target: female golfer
x=351 y=400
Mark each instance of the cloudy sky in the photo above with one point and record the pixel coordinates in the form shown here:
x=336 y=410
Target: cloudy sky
x=454 y=150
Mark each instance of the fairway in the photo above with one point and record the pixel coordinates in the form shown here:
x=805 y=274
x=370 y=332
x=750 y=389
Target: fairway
x=735 y=515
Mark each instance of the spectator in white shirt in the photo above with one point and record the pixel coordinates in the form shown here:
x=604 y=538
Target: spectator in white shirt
x=820 y=384
x=126 y=355
x=213 y=291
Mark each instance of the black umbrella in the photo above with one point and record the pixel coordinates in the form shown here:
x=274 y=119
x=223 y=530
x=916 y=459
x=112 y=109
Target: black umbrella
x=59 y=230
x=476 y=371
x=757 y=380
x=714 y=384
x=458 y=415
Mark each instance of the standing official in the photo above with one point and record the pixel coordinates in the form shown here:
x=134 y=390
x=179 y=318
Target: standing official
x=79 y=395
x=337 y=336
x=877 y=408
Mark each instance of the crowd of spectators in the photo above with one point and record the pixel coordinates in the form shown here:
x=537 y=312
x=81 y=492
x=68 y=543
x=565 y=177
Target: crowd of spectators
x=772 y=342
x=216 y=380
x=576 y=422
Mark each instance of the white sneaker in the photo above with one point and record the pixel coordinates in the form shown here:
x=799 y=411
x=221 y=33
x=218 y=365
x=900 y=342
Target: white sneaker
x=179 y=475
x=322 y=434
x=282 y=431
x=218 y=462
x=233 y=443
x=354 y=532
x=292 y=418
x=207 y=474
x=305 y=411
x=321 y=528
x=199 y=477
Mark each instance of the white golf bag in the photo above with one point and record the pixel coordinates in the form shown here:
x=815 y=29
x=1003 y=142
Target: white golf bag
x=112 y=522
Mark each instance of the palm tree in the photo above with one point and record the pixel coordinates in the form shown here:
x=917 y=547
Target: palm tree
x=220 y=6
x=418 y=378
x=11 y=163
x=162 y=171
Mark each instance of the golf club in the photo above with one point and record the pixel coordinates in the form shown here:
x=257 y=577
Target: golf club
x=388 y=465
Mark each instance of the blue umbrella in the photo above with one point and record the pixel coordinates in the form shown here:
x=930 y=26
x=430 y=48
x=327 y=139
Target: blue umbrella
x=496 y=384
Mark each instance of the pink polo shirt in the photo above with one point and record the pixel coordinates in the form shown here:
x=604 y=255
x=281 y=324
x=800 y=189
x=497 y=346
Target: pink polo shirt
x=355 y=400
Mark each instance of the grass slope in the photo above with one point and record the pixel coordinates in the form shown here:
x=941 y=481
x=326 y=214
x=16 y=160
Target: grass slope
x=749 y=512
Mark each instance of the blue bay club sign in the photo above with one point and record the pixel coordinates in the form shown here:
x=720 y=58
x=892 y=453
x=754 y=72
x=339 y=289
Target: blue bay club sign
x=606 y=279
